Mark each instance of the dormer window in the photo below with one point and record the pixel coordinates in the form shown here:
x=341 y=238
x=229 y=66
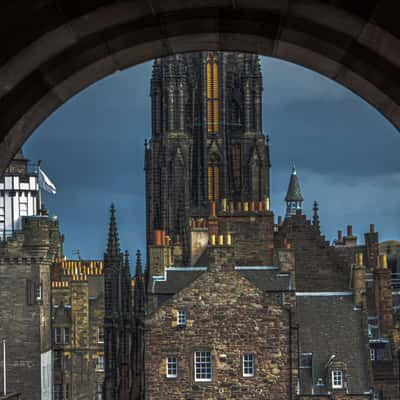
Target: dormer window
x=181 y=318
x=337 y=379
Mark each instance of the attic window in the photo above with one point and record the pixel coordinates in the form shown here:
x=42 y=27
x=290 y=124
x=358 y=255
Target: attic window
x=181 y=318
x=337 y=379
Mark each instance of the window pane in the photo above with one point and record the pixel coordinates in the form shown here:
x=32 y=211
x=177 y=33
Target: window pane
x=337 y=378
x=248 y=364
x=181 y=317
x=100 y=363
x=172 y=367
x=203 y=366
x=66 y=335
x=57 y=335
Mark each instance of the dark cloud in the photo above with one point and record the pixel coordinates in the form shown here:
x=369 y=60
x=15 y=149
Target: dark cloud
x=344 y=150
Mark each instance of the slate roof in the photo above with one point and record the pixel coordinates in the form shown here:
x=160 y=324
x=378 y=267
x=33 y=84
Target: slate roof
x=294 y=191
x=267 y=280
x=330 y=325
x=178 y=278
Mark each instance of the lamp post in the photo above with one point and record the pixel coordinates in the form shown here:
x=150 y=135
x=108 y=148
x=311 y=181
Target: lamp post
x=4 y=368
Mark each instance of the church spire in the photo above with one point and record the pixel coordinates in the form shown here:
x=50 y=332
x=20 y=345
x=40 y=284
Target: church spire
x=113 y=252
x=294 y=199
x=315 y=220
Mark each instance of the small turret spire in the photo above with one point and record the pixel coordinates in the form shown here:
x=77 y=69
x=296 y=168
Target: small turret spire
x=138 y=272
x=113 y=248
x=126 y=260
x=315 y=220
x=294 y=199
x=139 y=295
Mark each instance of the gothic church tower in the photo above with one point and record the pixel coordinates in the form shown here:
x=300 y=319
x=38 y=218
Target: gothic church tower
x=207 y=142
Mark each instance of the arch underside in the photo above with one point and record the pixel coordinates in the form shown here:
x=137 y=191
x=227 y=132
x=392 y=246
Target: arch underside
x=56 y=49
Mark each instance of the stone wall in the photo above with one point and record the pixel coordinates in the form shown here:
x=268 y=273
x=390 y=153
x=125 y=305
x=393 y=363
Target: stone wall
x=252 y=236
x=217 y=301
x=318 y=265
x=25 y=302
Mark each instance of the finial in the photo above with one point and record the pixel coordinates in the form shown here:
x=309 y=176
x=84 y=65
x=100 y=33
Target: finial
x=138 y=271
x=126 y=259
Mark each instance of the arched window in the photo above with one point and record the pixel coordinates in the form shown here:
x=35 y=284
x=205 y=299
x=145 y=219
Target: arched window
x=212 y=94
x=213 y=181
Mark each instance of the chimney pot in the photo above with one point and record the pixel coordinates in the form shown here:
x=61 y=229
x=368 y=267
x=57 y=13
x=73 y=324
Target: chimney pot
x=157 y=237
x=340 y=235
x=383 y=261
x=213 y=209
x=224 y=205
x=213 y=240
x=267 y=205
x=371 y=228
x=349 y=230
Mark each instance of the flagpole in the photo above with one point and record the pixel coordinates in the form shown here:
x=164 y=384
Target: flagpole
x=39 y=205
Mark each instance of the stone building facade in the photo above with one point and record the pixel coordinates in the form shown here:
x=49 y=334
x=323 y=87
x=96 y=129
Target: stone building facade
x=26 y=256
x=77 y=292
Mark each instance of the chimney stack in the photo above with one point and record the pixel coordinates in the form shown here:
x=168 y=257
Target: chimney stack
x=350 y=239
x=359 y=281
x=383 y=296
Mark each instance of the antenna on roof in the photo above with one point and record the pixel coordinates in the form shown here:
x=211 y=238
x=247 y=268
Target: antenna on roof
x=77 y=252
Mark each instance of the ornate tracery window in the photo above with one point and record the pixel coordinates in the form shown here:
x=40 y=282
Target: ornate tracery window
x=212 y=94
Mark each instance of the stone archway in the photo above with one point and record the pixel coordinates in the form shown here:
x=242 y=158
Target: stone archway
x=51 y=49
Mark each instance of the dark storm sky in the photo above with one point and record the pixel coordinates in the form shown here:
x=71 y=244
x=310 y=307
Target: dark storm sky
x=345 y=152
